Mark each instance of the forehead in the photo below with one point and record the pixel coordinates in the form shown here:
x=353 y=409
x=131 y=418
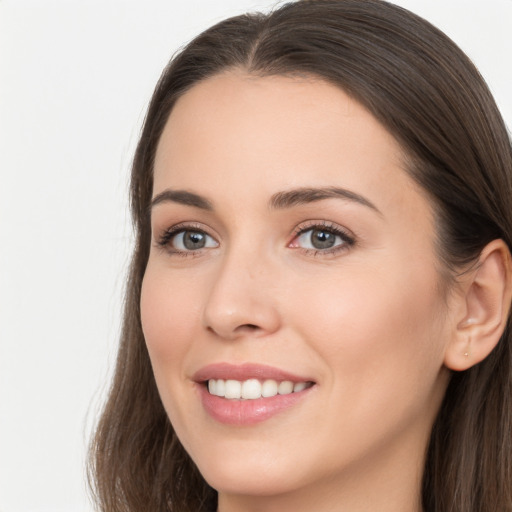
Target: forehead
x=260 y=134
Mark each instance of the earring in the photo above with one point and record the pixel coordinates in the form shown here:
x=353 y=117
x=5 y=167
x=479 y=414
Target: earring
x=466 y=354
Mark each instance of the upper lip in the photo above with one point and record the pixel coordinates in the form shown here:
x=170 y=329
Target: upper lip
x=245 y=371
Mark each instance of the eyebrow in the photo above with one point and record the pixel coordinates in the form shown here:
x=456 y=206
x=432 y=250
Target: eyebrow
x=181 y=197
x=279 y=201
x=299 y=196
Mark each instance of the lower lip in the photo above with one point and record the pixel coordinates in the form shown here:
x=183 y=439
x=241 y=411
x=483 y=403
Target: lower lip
x=248 y=412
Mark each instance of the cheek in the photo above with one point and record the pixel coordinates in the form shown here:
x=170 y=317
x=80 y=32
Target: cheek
x=169 y=315
x=377 y=329
x=170 y=320
x=379 y=339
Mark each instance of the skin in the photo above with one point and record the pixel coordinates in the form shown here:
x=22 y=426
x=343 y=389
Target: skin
x=369 y=323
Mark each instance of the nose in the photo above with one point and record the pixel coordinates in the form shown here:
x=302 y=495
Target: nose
x=242 y=299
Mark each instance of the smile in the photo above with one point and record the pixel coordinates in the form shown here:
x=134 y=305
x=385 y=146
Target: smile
x=252 y=389
x=249 y=393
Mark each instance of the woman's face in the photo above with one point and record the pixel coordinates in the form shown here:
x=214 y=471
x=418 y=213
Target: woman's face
x=290 y=250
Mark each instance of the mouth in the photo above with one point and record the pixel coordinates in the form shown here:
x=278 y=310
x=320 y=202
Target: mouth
x=249 y=393
x=253 y=389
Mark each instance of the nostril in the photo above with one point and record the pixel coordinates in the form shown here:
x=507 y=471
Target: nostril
x=241 y=329
x=247 y=327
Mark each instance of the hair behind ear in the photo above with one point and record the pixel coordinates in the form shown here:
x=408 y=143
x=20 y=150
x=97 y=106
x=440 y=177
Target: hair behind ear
x=470 y=451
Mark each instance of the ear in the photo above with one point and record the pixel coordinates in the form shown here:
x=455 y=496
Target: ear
x=482 y=308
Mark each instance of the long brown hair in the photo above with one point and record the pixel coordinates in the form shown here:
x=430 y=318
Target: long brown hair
x=429 y=95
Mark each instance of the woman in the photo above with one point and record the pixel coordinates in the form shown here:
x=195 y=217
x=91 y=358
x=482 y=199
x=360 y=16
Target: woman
x=318 y=309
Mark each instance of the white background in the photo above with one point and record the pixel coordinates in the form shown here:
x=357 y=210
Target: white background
x=75 y=78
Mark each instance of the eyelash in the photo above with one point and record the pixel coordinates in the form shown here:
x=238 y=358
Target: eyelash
x=329 y=227
x=165 y=239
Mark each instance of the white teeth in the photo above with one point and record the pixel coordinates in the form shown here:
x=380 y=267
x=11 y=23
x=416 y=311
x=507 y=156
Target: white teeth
x=253 y=389
x=220 y=387
x=269 y=388
x=285 y=387
x=299 y=386
x=233 y=389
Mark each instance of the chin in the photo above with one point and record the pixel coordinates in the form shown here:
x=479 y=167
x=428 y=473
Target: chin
x=244 y=474
x=252 y=482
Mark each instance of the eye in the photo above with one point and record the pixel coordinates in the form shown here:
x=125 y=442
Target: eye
x=181 y=240
x=192 y=241
x=322 y=238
